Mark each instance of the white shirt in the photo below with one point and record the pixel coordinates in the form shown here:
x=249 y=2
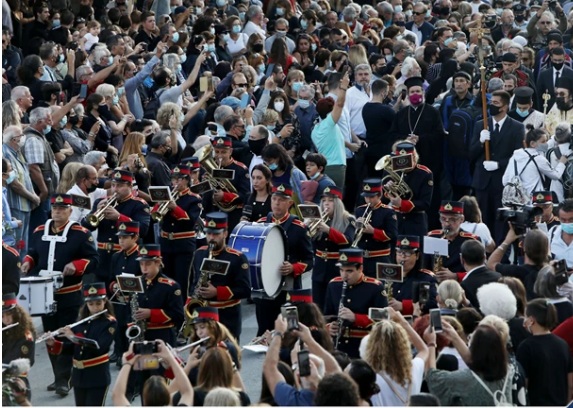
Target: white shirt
x=251 y=28
x=530 y=177
x=559 y=248
x=49 y=75
x=479 y=229
x=565 y=150
x=234 y=46
x=555 y=71
x=417 y=33
x=355 y=101
x=470 y=271
x=78 y=213
x=501 y=122
x=387 y=397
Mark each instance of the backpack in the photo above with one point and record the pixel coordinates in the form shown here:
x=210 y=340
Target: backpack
x=153 y=105
x=514 y=194
x=567 y=176
x=498 y=396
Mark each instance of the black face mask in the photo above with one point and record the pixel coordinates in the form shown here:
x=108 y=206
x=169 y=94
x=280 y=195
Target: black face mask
x=91 y=188
x=74 y=120
x=103 y=110
x=520 y=18
x=257 y=146
x=167 y=153
x=557 y=66
x=258 y=47
x=493 y=110
x=380 y=72
x=561 y=104
x=444 y=11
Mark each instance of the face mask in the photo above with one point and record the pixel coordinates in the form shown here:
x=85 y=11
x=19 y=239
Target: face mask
x=144 y=149
x=91 y=188
x=389 y=58
x=271 y=127
x=56 y=23
x=542 y=147
x=258 y=47
x=261 y=68
x=242 y=15
x=428 y=14
x=120 y=91
x=557 y=66
x=493 y=110
x=257 y=146
x=415 y=99
x=221 y=3
x=408 y=13
x=47 y=130
x=115 y=100
x=226 y=38
x=279 y=106
x=522 y=113
x=296 y=86
x=567 y=228
x=11 y=177
x=313 y=47
x=211 y=48
x=281 y=34
x=280 y=11
x=520 y=18
x=148 y=82
x=61 y=58
x=212 y=30
x=198 y=10
x=400 y=23
x=22 y=141
x=181 y=117
x=303 y=103
x=74 y=120
x=167 y=153
x=175 y=37
x=173 y=9
x=109 y=60
x=183 y=58
x=64 y=122
x=274 y=166
x=236 y=29
x=448 y=41
x=316 y=175
x=103 y=109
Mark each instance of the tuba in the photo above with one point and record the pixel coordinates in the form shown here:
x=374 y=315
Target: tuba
x=399 y=187
x=205 y=156
x=95 y=218
x=163 y=209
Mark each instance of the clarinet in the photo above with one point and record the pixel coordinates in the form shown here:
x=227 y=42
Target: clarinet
x=340 y=321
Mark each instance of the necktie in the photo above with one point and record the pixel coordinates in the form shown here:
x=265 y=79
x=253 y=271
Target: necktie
x=496 y=131
x=556 y=78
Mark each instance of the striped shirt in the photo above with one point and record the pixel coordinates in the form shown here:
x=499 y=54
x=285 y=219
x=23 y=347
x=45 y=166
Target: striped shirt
x=18 y=162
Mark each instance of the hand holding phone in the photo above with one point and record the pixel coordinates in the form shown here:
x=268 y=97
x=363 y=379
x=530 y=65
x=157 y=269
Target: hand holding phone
x=436 y=320
x=291 y=314
x=304 y=363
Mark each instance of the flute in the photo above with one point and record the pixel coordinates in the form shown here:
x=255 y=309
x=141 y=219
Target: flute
x=10 y=326
x=56 y=333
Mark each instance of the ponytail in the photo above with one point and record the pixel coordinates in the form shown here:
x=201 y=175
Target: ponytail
x=543 y=312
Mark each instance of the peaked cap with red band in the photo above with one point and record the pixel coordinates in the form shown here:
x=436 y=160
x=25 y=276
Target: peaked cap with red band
x=283 y=189
x=192 y=162
x=371 y=187
x=122 y=176
x=203 y=314
x=149 y=252
x=222 y=141
x=541 y=197
x=350 y=256
x=216 y=222
x=408 y=242
x=62 y=200
x=94 y=291
x=452 y=207
x=127 y=228
x=181 y=171
x=332 y=191
x=9 y=301
x=404 y=148
x=301 y=295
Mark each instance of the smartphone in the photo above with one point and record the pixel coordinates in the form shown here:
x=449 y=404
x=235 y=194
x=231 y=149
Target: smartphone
x=212 y=128
x=245 y=100
x=561 y=276
x=145 y=347
x=436 y=320
x=291 y=314
x=143 y=46
x=270 y=69
x=404 y=94
x=377 y=313
x=304 y=363
x=147 y=362
x=203 y=84
x=424 y=295
x=84 y=91
x=409 y=319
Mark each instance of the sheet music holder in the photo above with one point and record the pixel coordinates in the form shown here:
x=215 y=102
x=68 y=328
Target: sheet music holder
x=130 y=283
x=160 y=193
x=215 y=266
x=389 y=272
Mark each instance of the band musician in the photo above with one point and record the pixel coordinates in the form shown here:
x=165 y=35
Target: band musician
x=62 y=246
x=362 y=293
x=223 y=292
x=127 y=208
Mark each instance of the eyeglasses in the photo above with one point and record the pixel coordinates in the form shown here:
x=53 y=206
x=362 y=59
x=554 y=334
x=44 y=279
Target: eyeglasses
x=449 y=220
x=242 y=85
x=405 y=253
x=545 y=22
x=418 y=14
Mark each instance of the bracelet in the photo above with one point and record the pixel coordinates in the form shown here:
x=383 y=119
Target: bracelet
x=130 y=356
x=276 y=333
x=431 y=345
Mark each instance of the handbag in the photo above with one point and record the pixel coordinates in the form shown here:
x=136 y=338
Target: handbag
x=498 y=396
x=514 y=194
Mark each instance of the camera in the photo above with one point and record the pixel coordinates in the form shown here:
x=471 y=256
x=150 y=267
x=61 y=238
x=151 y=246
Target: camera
x=377 y=314
x=291 y=315
x=561 y=276
x=521 y=219
x=421 y=293
x=490 y=20
x=145 y=347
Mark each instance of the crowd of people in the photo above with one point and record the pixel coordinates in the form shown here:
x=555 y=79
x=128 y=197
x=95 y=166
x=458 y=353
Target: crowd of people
x=167 y=161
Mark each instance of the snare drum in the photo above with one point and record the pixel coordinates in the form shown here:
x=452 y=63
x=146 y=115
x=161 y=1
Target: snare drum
x=37 y=293
x=265 y=247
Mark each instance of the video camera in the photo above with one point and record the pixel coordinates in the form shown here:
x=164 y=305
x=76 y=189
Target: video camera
x=520 y=219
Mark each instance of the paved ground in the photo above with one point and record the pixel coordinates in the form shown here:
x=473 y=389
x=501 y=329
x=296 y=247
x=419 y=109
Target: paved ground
x=41 y=374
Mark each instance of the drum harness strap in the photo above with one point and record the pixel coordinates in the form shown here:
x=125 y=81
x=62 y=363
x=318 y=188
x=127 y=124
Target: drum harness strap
x=54 y=239
x=288 y=280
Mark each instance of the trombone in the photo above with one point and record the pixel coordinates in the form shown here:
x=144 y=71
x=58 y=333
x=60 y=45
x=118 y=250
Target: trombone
x=95 y=218
x=361 y=226
x=314 y=224
x=163 y=209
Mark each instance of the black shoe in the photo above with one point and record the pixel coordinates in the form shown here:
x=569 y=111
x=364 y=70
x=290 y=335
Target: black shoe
x=62 y=390
x=113 y=358
x=51 y=387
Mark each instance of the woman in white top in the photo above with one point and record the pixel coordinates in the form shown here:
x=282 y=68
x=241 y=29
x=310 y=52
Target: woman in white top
x=560 y=147
x=388 y=351
x=236 y=40
x=532 y=165
x=473 y=223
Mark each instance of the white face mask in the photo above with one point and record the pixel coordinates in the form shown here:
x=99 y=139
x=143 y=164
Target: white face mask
x=279 y=106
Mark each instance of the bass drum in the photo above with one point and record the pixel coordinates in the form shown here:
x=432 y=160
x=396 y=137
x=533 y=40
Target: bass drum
x=265 y=246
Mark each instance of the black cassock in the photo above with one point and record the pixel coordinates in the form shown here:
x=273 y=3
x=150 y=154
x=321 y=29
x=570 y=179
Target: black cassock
x=426 y=123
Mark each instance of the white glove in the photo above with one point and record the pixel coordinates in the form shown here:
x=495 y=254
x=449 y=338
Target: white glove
x=490 y=165
x=484 y=135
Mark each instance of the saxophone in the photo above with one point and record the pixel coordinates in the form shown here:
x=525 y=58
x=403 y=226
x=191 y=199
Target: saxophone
x=340 y=321
x=438 y=264
x=135 y=332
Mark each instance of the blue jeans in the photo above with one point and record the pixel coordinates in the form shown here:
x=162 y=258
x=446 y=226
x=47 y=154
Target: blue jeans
x=22 y=233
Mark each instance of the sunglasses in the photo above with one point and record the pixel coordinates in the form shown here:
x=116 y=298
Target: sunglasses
x=418 y=14
x=242 y=85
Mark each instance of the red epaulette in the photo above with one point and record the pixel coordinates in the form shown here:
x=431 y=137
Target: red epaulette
x=141 y=200
x=263 y=219
x=167 y=281
x=368 y=279
x=337 y=279
x=233 y=251
x=39 y=228
x=422 y=167
x=299 y=223
x=363 y=205
x=204 y=247
x=436 y=232
x=77 y=227
x=238 y=163
x=465 y=234
x=427 y=272
x=10 y=249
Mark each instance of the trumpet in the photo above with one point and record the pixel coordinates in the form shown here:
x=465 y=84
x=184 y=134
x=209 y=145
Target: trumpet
x=205 y=156
x=366 y=217
x=398 y=187
x=163 y=209
x=58 y=332
x=314 y=224
x=95 y=218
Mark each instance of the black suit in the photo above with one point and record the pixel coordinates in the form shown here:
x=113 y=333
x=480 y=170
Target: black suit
x=546 y=81
x=476 y=280
x=487 y=184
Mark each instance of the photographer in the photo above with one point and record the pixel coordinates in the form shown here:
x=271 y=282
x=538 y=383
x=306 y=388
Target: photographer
x=535 y=247
x=156 y=392
x=561 y=236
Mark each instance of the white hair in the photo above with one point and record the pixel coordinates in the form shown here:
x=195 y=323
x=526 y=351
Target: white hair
x=497 y=299
x=409 y=64
x=11 y=132
x=222 y=397
x=105 y=90
x=19 y=92
x=100 y=52
x=93 y=158
x=39 y=114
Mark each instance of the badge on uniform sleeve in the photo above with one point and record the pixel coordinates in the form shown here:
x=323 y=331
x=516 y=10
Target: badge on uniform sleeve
x=245 y=266
x=24 y=349
x=178 y=292
x=91 y=239
x=430 y=182
x=146 y=209
x=112 y=330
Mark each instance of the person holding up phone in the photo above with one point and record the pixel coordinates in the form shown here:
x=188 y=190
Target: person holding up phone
x=361 y=293
x=410 y=290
